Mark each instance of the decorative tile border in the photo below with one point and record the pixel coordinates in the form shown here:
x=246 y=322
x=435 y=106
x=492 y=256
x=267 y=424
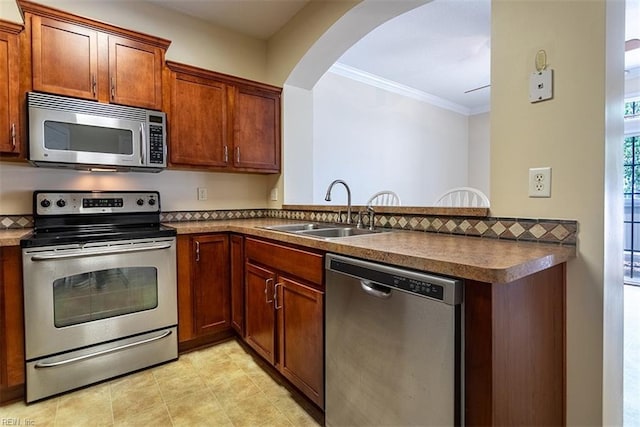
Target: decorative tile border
x=522 y=229
x=563 y=232
x=16 y=221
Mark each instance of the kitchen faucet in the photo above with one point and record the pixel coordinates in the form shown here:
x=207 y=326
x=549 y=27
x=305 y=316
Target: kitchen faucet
x=328 y=198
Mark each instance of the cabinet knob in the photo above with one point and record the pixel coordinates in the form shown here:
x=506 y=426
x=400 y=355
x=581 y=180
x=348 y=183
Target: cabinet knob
x=113 y=88
x=93 y=84
x=197 y=251
x=237 y=154
x=226 y=154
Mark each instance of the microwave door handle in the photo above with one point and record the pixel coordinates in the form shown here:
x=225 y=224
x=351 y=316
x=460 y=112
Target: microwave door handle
x=143 y=143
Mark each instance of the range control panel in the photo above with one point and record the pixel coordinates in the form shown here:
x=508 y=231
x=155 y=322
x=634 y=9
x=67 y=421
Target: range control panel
x=95 y=202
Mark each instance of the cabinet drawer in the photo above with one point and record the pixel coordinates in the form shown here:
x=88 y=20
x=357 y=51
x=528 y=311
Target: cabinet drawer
x=306 y=265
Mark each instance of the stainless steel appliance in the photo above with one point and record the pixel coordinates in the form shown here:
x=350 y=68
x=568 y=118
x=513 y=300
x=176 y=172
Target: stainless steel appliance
x=392 y=346
x=79 y=134
x=100 y=296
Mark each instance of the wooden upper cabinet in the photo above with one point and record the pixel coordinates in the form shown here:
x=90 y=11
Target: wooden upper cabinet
x=9 y=88
x=135 y=72
x=221 y=122
x=64 y=58
x=198 y=121
x=78 y=57
x=256 y=129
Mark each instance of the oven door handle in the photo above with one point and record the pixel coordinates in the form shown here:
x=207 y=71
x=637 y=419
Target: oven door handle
x=41 y=365
x=101 y=252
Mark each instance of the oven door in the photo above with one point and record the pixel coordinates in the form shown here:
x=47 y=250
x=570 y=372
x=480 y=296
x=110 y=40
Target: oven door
x=81 y=295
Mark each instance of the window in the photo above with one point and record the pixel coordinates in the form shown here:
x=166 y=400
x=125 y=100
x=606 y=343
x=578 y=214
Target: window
x=632 y=192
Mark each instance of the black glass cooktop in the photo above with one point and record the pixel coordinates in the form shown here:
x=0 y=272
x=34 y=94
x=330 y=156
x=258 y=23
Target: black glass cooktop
x=82 y=235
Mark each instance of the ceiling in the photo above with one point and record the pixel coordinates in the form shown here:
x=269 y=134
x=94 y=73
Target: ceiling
x=256 y=18
x=442 y=49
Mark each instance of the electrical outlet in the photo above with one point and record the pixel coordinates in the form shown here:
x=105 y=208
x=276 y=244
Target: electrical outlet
x=274 y=194
x=202 y=193
x=540 y=182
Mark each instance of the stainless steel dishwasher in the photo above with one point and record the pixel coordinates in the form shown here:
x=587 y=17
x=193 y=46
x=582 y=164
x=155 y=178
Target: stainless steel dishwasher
x=392 y=346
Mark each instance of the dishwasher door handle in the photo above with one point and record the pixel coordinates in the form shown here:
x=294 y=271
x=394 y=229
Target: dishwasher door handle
x=375 y=290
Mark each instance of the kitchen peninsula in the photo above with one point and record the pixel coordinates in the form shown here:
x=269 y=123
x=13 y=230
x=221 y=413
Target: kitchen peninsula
x=514 y=294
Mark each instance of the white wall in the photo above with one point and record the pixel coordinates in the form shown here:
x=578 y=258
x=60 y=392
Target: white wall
x=378 y=140
x=297 y=146
x=480 y=153
x=579 y=134
x=178 y=189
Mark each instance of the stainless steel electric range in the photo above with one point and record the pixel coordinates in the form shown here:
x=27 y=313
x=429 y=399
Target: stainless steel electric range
x=100 y=297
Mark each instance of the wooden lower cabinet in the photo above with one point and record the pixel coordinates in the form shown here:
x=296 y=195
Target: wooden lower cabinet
x=204 y=301
x=261 y=318
x=515 y=347
x=285 y=312
x=12 y=375
x=301 y=336
x=237 y=283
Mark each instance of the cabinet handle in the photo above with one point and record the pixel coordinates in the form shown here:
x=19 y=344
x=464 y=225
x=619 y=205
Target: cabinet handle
x=237 y=154
x=197 y=251
x=13 y=135
x=266 y=291
x=113 y=88
x=275 y=295
x=93 y=84
x=226 y=154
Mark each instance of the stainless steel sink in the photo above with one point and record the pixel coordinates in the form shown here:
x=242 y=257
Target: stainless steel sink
x=297 y=227
x=323 y=231
x=338 y=232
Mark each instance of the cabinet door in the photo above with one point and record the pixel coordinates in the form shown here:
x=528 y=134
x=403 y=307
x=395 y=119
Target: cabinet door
x=256 y=129
x=211 y=299
x=65 y=58
x=198 y=122
x=135 y=73
x=11 y=323
x=237 y=284
x=300 y=332
x=9 y=94
x=260 y=315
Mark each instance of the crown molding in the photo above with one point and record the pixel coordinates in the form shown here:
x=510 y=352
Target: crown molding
x=395 y=87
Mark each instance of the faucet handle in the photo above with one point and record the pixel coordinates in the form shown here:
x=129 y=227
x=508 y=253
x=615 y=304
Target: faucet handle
x=372 y=217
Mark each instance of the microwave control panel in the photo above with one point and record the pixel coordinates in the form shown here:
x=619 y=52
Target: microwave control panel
x=157 y=138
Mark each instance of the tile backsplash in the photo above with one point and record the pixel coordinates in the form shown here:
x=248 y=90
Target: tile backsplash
x=523 y=229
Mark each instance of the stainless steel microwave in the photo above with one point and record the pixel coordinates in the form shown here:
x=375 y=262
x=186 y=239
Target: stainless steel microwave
x=89 y=135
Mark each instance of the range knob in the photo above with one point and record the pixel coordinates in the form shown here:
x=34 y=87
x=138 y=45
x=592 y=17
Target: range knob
x=61 y=203
x=152 y=202
x=140 y=202
x=45 y=203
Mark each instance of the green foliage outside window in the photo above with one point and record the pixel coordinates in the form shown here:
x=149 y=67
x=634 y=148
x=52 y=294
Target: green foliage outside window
x=632 y=153
x=632 y=109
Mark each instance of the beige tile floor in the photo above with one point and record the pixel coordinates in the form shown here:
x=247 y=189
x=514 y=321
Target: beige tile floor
x=217 y=386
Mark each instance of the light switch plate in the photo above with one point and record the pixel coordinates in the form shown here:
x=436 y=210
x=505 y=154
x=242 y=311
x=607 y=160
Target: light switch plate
x=202 y=193
x=541 y=86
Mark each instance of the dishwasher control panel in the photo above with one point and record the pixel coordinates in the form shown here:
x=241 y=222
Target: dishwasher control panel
x=435 y=287
x=419 y=287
